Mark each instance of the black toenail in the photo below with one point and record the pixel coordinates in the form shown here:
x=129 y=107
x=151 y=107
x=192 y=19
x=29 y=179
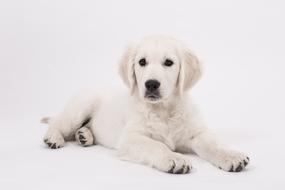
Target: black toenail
x=172 y=168
x=239 y=168
x=53 y=146
x=187 y=169
x=180 y=171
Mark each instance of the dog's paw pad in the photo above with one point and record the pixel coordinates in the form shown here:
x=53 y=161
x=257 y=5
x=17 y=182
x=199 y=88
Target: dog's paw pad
x=84 y=137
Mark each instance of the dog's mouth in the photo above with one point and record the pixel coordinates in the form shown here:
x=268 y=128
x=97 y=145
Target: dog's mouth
x=152 y=97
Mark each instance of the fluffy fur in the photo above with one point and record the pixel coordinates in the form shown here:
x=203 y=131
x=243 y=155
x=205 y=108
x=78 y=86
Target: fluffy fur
x=147 y=126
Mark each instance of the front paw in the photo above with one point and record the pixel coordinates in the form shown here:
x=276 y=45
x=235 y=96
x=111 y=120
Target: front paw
x=231 y=161
x=174 y=164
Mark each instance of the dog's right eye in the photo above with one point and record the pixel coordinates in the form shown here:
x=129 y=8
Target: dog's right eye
x=142 y=62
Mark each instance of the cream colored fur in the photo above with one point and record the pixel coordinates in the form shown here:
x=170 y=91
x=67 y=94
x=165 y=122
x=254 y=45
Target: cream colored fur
x=153 y=133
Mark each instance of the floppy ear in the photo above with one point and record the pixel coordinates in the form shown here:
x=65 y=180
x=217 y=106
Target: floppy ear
x=126 y=67
x=190 y=71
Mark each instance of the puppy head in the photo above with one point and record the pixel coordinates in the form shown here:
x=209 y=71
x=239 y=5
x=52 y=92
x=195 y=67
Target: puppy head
x=158 y=68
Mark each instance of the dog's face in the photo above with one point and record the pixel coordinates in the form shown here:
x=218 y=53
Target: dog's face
x=158 y=68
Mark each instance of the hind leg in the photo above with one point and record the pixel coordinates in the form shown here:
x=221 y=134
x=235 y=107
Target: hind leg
x=59 y=132
x=84 y=137
x=76 y=114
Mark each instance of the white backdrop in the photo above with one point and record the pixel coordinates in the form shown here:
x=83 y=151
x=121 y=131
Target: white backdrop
x=50 y=50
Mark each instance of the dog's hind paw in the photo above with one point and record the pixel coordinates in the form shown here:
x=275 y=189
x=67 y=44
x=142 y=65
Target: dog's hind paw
x=84 y=136
x=54 y=139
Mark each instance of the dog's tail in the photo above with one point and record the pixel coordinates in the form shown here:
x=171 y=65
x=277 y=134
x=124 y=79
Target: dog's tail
x=45 y=120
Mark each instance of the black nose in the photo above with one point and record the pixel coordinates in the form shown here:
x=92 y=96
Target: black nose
x=152 y=85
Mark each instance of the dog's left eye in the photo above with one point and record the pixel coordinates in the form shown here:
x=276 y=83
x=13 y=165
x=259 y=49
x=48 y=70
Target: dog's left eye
x=168 y=62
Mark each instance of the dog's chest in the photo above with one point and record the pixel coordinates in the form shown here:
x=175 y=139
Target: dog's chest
x=165 y=127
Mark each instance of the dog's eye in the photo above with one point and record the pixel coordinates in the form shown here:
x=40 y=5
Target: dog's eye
x=168 y=63
x=142 y=62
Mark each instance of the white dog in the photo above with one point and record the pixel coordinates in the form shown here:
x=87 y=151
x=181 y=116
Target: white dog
x=153 y=123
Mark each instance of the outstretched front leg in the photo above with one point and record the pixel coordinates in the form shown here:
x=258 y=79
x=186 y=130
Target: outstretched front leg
x=144 y=150
x=207 y=147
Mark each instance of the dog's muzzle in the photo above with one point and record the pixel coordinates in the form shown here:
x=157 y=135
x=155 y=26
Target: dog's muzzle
x=152 y=90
